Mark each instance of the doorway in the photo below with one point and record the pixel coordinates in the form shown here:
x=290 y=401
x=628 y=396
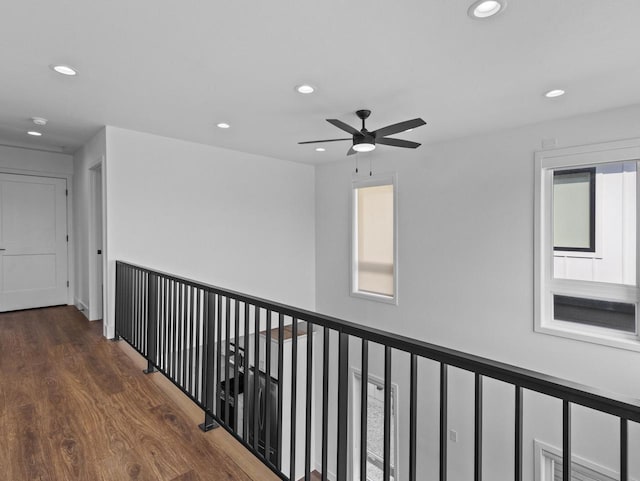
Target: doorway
x=375 y=430
x=33 y=242
x=96 y=248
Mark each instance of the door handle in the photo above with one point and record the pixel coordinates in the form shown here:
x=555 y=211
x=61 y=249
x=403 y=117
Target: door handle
x=3 y=249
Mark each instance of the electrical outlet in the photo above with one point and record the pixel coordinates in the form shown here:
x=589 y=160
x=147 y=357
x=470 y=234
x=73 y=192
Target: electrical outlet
x=453 y=435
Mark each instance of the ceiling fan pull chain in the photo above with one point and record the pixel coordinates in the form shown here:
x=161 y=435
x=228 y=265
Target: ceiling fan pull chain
x=356 y=159
x=370 y=166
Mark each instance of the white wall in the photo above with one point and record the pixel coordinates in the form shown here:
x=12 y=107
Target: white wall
x=240 y=221
x=36 y=162
x=84 y=159
x=466 y=281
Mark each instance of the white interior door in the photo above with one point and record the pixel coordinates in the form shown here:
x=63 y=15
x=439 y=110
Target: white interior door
x=33 y=242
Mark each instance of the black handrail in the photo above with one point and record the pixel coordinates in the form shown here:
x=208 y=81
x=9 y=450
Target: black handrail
x=137 y=302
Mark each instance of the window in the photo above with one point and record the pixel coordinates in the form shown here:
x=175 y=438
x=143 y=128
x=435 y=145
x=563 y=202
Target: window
x=549 y=466
x=374 y=266
x=586 y=243
x=574 y=210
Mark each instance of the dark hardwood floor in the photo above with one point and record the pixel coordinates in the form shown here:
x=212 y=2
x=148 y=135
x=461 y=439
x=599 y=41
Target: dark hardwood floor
x=75 y=406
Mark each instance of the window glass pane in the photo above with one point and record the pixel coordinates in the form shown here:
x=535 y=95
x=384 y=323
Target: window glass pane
x=591 y=312
x=614 y=258
x=573 y=216
x=375 y=240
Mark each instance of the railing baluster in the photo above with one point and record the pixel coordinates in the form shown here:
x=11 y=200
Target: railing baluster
x=364 y=404
x=118 y=316
x=256 y=379
x=236 y=359
x=413 y=416
x=566 y=441
x=443 y=421
x=267 y=394
x=152 y=322
x=478 y=430
x=129 y=305
x=280 y=387
x=218 y=323
x=207 y=363
x=518 y=434
x=246 y=368
x=325 y=401
x=294 y=395
x=162 y=322
x=118 y=297
x=190 y=346
x=141 y=313
x=307 y=444
x=624 y=450
x=168 y=326
x=135 y=299
x=227 y=355
x=133 y=306
x=175 y=331
x=183 y=333
x=196 y=367
x=387 y=415
x=343 y=406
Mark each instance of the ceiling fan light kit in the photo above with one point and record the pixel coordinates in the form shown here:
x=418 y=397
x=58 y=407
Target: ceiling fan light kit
x=365 y=141
x=363 y=145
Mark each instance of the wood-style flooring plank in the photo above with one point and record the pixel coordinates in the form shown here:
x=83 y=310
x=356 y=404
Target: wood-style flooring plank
x=74 y=406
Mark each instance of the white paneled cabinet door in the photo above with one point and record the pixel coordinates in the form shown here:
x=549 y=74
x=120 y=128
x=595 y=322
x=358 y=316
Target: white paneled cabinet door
x=33 y=242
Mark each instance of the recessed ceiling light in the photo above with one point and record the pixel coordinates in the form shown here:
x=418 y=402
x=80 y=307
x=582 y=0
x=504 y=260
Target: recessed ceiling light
x=39 y=120
x=320 y=149
x=486 y=8
x=305 y=89
x=223 y=125
x=65 y=70
x=35 y=133
x=554 y=93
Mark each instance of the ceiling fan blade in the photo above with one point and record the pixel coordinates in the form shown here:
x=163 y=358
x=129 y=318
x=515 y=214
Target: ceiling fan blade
x=351 y=151
x=398 y=143
x=346 y=127
x=399 y=127
x=320 y=141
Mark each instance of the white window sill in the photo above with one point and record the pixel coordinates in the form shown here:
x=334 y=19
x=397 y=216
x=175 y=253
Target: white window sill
x=375 y=297
x=594 y=335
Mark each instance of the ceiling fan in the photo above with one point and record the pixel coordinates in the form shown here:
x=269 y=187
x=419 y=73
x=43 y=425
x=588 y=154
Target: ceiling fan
x=365 y=141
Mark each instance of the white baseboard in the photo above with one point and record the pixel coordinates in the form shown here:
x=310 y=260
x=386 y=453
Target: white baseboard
x=82 y=307
x=330 y=476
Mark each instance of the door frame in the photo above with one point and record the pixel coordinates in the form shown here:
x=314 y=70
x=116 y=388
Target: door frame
x=353 y=461
x=94 y=313
x=71 y=274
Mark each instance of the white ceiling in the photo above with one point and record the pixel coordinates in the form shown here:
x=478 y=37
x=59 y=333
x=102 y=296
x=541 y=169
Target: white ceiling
x=176 y=68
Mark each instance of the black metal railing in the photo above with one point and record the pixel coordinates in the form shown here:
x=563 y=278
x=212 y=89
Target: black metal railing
x=250 y=365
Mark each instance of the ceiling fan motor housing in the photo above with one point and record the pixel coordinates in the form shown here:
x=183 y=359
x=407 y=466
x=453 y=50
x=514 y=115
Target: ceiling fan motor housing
x=364 y=138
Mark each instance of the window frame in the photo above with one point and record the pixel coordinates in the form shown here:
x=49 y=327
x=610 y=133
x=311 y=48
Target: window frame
x=592 y=212
x=545 y=285
x=546 y=454
x=373 y=181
